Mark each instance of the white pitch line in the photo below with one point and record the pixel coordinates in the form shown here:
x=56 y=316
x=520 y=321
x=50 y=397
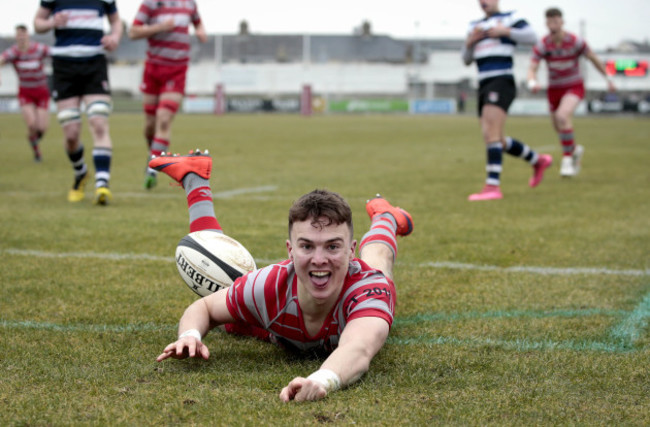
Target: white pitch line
x=217 y=195
x=260 y=262
x=150 y=195
x=539 y=270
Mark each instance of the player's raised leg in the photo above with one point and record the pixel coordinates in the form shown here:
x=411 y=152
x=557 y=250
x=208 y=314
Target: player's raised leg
x=378 y=246
x=193 y=173
x=539 y=162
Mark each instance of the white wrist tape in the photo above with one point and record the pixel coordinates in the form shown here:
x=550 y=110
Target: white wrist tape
x=328 y=378
x=191 y=333
x=532 y=84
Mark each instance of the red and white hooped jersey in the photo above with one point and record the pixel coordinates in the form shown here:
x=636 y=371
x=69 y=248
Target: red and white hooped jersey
x=28 y=64
x=268 y=299
x=562 y=60
x=171 y=47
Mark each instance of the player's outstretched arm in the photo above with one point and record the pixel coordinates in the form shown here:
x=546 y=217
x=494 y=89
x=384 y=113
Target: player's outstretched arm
x=360 y=341
x=601 y=68
x=199 y=318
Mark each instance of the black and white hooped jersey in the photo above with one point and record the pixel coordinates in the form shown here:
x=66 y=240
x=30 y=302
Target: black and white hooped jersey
x=494 y=56
x=81 y=36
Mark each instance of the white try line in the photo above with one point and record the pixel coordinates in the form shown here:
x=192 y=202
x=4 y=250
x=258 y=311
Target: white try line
x=439 y=265
x=150 y=195
x=539 y=270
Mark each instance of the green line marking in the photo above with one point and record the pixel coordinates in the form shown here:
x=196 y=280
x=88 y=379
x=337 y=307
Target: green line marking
x=518 y=345
x=47 y=326
x=499 y=314
x=631 y=328
x=623 y=336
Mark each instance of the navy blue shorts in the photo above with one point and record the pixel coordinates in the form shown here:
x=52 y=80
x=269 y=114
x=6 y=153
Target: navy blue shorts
x=497 y=91
x=73 y=79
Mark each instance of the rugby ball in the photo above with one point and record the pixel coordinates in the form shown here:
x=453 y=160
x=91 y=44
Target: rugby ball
x=208 y=261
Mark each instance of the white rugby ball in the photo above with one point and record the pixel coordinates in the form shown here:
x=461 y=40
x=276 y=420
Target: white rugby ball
x=208 y=261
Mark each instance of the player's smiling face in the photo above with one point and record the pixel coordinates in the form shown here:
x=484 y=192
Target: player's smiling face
x=321 y=255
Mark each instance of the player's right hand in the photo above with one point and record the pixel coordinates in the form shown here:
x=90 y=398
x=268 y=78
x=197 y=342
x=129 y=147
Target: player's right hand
x=183 y=348
x=302 y=389
x=475 y=36
x=168 y=24
x=60 y=19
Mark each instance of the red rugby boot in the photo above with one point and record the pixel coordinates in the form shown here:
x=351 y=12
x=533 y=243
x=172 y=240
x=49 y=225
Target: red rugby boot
x=178 y=166
x=379 y=205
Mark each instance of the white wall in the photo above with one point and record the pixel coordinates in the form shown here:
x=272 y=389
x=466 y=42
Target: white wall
x=336 y=79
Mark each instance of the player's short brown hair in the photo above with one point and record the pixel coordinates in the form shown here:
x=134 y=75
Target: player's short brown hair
x=553 y=12
x=323 y=207
x=21 y=27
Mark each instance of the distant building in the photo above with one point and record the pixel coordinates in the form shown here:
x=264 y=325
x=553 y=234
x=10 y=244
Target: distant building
x=361 y=63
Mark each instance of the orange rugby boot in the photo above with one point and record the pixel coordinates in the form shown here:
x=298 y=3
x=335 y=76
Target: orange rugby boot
x=178 y=166
x=379 y=205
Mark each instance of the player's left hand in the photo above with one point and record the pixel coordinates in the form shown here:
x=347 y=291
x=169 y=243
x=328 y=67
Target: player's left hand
x=498 y=31
x=110 y=42
x=301 y=389
x=610 y=86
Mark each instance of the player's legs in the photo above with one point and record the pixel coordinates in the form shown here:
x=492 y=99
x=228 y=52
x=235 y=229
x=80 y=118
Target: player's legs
x=149 y=104
x=168 y=83
x=42 y=120
x=378 y=256
x=30 y=117
x=563 y=124
x=378 y=246
x=563 y=116
x=98 y=109
x=69 y=116
x=168 y=105
x=492 y=121
x=193 y=173
x=166 y=108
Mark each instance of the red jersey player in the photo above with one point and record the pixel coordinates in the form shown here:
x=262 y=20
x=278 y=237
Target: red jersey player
x=33 y=93
x=562 y=51
x=322 y=299
x=165 y=25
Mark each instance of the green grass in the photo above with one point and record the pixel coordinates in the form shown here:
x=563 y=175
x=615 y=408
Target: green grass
x=531 y=310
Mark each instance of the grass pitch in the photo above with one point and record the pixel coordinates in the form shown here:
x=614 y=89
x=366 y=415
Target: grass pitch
x=530 y=310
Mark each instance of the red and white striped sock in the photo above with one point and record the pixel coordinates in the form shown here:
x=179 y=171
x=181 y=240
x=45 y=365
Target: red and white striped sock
x=567 y=141
x=200 y=204
x=382 y=230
